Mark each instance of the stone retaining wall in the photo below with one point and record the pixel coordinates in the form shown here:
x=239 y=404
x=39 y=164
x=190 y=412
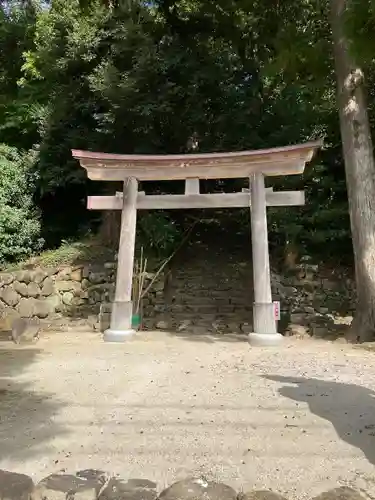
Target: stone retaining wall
x=47 y=294
x=216 y=296
x=314 y=301
x=96 y=485
x=202 y=297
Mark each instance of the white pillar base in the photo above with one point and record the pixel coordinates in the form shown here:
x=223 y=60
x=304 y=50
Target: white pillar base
x=265 y=339
x=121 y=323
x=264 y=318
x=111 y=335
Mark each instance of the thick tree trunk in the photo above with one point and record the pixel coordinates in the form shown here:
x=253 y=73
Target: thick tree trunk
x=360 y=173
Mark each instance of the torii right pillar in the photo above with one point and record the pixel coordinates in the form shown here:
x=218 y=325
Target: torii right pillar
x=264 y=323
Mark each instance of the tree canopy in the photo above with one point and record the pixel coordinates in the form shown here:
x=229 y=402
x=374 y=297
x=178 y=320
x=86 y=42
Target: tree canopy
x=148 y=77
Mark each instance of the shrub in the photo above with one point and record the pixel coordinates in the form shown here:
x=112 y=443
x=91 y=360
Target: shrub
x=19 y=218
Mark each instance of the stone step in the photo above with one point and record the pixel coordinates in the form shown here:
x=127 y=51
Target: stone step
x=210 y=309
x=213 y=294
x=210 y=301
x=245 y=318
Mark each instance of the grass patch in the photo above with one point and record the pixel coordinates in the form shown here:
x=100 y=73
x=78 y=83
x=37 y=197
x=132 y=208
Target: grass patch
x=85 y=251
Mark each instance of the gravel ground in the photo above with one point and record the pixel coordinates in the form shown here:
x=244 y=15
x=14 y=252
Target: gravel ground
x=298 y=419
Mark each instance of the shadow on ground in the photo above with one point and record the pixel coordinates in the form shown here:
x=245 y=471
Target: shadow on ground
x=349 y=407
x=209 y=337
x=26 y=425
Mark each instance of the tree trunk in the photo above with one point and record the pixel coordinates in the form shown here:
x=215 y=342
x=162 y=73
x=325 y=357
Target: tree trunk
x=360 y=173
x=109 y=230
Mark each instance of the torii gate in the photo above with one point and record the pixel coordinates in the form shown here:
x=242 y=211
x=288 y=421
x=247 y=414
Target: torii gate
x=254 y=165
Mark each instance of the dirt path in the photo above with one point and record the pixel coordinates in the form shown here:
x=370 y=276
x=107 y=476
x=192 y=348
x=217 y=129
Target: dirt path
x=298 y=420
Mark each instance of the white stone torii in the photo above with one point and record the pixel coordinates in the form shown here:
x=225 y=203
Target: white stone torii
x=254 y=165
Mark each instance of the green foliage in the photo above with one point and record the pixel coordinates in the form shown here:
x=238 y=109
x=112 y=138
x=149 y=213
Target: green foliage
x=146 y=77
x=159 y=234
x=19 y=221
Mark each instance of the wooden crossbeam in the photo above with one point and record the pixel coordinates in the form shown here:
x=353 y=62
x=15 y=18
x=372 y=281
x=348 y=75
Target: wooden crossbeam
x=187 y=201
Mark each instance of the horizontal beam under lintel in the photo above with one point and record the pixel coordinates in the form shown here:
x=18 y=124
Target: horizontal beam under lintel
x=216 y=200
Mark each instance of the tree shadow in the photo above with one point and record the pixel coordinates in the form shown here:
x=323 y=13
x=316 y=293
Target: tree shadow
x=26 y=415
x=349 y=407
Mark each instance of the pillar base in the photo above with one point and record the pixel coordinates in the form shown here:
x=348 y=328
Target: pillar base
x=121 y=322
x=265 y=339
x=264 y=318
x=111 y=335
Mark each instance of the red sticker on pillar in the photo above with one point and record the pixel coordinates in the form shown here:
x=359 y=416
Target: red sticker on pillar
x=276 y=310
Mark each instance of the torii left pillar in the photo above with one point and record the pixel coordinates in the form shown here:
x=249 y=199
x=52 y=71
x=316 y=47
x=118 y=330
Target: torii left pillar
x=122 y=308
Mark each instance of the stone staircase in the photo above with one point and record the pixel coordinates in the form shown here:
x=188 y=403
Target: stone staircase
x=210 y=290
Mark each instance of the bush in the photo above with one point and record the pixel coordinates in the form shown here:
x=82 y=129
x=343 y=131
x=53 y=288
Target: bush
x=159 y=234
x=19 y=218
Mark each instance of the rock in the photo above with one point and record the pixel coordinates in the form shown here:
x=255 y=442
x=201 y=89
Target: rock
x=63 y=486
x=85 y=271
x=33 y=290
x=48 y=287
x=6 y=279
x=133 y=489
x=329 y=285
x=38 y=275
x=20 y=288
x=92 y=475
x=51 y=270
x=198 y=489
x=104 y=321
x=298 y=331
x=77 y=301
x=10 y=296
x=94 y=297
x=97 y=277
x=67 y=286
x=341 y=340
x=158 y=285
x=234 y=327
x=319 y=331
x=309 y=310
x=25 y=330
x=76 y=274
x=85 y=284
x=42 y=308
x=323 y=310
x=15 y=486
x=67 y=298
x=23 y=276
x=201 y=330
x=64 y=273
x=246 y=328
x=184 y=325
x=110 y=265
x=102 y=287
x=343 y=320
x=26 y=307
x=260 y=495
x=342 y=493
x=83 y=294
x=7 y=316
x=298 y=318
x=54 y=303
x=162 y=325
